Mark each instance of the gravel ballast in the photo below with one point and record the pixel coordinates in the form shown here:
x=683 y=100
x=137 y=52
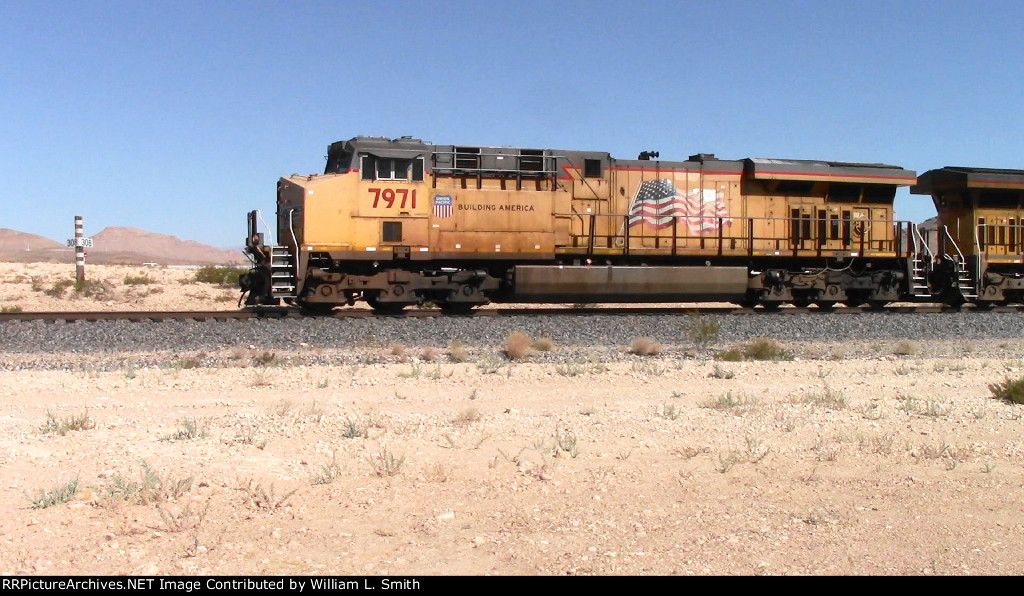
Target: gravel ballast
x=589 y=331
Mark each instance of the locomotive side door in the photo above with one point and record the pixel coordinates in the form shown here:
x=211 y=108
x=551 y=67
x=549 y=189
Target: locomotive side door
x=861 y=229
x=802 y=229
x=830 y=228
x=592 y=179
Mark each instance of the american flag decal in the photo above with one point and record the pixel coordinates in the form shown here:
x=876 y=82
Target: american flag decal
x=442 y=206
x=657 y=202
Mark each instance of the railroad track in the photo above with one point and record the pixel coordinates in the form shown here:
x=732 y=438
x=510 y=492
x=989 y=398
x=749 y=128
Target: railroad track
x=284 y=312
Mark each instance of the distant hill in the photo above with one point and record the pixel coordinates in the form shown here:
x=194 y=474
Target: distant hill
x=22 y=241
x=129 y=243
x=120 y=245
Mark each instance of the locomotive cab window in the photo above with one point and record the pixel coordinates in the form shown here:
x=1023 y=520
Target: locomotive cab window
x=844 y=192
x=338 y=161
x=879 y=193
x=392 y=231
x=391 y=168
x=794 y=188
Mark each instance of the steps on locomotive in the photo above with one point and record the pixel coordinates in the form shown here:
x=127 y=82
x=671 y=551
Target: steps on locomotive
x=282 y=272
x=964 y=279
x=919 y=279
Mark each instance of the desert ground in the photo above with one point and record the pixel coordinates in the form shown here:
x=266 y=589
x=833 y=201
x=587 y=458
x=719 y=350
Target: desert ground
x=49 y=287
x=850 y=457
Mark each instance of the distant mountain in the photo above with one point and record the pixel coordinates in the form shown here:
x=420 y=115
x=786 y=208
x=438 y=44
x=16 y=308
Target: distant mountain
x=127 y=246
x=931 y=224
x=13 y=240
x=118 y=243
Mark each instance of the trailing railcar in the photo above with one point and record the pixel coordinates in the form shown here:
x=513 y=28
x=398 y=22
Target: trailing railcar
x=980 y=233
x=396 y=222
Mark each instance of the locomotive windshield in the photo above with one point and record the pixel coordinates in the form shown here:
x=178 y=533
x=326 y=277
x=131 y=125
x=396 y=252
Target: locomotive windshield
x=339 y=159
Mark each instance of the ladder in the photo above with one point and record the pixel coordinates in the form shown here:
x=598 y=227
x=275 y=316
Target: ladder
x=965 y=280
x=282 y=272
x=919 y=278
x=921 y=264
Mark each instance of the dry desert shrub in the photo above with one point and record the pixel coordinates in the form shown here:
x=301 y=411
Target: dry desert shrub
x=457 y=351
x=62 y=426
x=645 y=346
x=55 y=496
x=466 y=417
x=703 y=332
x=1010 y=390
x=151 y=488
x=386 y=463
x=544 y=344
x=188 y=429
x=765 y=349
x=138 y=280
x=517 y=345
x=86 y=288
x=225 y=276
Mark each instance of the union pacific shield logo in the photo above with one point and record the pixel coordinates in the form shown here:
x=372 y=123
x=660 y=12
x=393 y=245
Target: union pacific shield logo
x=442 y=206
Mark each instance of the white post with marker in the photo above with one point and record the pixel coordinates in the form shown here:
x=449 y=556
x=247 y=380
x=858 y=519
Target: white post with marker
x=80 y=243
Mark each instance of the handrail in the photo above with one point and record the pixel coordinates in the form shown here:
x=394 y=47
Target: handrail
x=291 y=228
x=977 y=241
x=270 y=230
x=919 y=238
x=546 y=157
x=1012 y=243
x=513 y=171
x=945 y=230
x=674 y=234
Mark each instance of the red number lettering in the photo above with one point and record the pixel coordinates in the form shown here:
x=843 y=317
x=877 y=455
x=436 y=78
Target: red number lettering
x=388 y=195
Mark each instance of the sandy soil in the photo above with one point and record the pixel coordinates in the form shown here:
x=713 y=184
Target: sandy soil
x=34 y=287
x=848 y=460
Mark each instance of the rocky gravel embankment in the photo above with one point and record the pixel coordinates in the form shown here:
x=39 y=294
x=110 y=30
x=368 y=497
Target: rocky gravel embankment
x=931 y=334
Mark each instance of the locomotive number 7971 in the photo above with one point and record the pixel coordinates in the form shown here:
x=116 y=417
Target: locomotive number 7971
x=390 y=196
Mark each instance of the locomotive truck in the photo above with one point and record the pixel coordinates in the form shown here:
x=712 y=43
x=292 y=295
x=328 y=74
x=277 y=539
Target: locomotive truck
x=398 y=222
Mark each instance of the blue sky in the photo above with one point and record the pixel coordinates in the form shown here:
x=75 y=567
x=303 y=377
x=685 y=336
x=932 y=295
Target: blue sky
x=178 y=117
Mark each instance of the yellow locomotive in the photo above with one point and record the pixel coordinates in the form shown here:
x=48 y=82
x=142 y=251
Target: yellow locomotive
x=980 y=239
x=396 y=222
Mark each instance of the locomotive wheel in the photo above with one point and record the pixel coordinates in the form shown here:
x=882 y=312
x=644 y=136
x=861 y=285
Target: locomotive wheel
x=317 y=308
x=751 y=300
x=877 y=304
x=825 y=304
x=385 y=308
x=855 y=298
x=455 y=308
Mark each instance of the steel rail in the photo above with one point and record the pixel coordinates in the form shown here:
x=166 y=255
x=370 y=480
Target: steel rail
x=288 y=312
